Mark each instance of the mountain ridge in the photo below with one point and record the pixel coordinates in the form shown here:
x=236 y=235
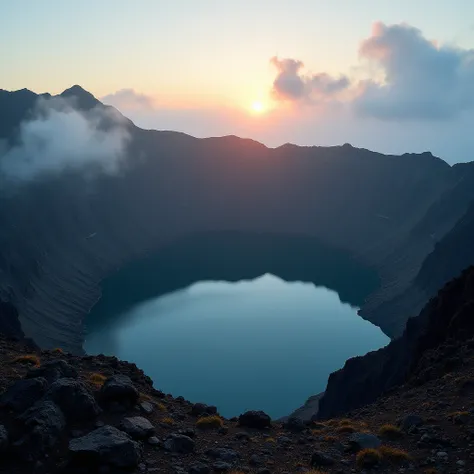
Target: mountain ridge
x=212 y=184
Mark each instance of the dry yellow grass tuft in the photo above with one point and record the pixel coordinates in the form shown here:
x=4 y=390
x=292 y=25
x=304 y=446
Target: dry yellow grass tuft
x=368 y=458
x=315 y=471
x=30 y=359
x=167 y=420
x=96 y=379
x=390 y=431
x=430 y=470
x=394 y=455
x=345 y=421
x=161 y=407
x=270 y=440
x=58 y=350
x=209 y=422
x=330 y=439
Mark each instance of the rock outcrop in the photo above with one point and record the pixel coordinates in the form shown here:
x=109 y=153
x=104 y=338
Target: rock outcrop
x=420 y=354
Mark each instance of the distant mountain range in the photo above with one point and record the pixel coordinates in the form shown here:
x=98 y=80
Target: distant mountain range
x=411 y=217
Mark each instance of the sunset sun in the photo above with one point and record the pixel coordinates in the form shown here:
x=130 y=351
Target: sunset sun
x=258 y=107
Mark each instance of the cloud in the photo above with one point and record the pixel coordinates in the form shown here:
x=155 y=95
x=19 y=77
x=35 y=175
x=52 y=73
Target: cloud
x=128 y=99
x=60 y=137
x=422 y=80
x=292 y=85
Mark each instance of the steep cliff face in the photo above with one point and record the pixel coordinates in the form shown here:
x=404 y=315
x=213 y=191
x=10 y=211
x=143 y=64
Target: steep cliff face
x=60 y=236
x=442 y=326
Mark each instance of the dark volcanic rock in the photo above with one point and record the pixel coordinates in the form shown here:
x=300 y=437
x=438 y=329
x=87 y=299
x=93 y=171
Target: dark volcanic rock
x=53 y=370
x=358 y=441
x=320 y=459
x=3 y=438
x=447 y=317
x=224 y=454
x=410 y=421
x=119 y=389
x=200 y=409
x=106 y=445
x=44 y=423
x=137 y=427
x=255 y=419
x=294 y=424
x=74 y=399
x=177 y=443
x=23 y=394
x=221 y=466
x=199 y=468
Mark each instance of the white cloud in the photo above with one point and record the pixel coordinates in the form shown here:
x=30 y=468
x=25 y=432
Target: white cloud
x=60 y=137
x=423 y=80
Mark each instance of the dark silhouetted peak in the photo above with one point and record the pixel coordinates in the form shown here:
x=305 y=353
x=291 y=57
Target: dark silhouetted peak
x=347 y=146
x=84 y=100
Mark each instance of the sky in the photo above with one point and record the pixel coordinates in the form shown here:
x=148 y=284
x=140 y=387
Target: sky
x=391 y=76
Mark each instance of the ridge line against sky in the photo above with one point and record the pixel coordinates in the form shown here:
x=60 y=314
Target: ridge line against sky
x=390 y=77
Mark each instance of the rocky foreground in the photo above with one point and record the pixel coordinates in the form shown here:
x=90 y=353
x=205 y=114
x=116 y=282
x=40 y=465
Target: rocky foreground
x=64 y=413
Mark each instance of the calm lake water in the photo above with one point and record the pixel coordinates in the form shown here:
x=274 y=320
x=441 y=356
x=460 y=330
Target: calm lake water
x=262 y=344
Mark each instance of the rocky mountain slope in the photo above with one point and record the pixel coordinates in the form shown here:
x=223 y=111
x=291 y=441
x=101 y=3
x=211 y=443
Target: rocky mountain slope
x=376 y=207
x=65 y=413
x=431 y=345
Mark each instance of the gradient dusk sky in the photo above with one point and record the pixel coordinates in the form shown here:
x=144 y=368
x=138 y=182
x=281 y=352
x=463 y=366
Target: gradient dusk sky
x=391 y=76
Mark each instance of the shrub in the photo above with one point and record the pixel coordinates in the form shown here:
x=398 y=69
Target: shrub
x=168 y=420
x=96 y=379
x=390 y=431
x=344 y=421
x=58 y=350
x=29 y=359
x=207 y=422
x=394 y=455
x=368 y=458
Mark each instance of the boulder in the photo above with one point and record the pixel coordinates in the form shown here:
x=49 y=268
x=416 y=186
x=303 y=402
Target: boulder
x=74 y=399
x=137 y=427
x=23 y=394
x=146 y=407
x=224 y=454
x=53 y=370
x=255 y=419
x=294 y=424
x=199 y=468
x=320 y=459
x=359 y=441
x=105 y=446
x=119 y=389
x=178 y=443
x=3 y=439
x=201 y=409
x=410 y=421
x=220 y=466
x=44 y=424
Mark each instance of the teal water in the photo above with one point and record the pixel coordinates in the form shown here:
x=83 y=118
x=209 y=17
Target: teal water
x=262 y=344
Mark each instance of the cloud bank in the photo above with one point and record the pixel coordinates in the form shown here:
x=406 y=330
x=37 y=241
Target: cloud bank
x=291 y=84
x=417 y=79
x=60 y=137
x=422 y=80
x=128 y=99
